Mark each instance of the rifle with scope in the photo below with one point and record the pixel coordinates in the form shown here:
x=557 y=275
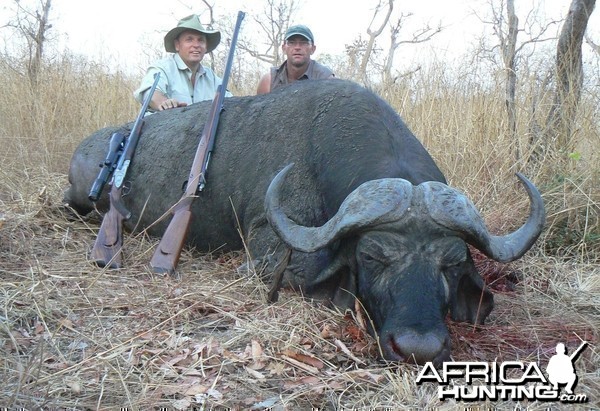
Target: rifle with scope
x=121 y=148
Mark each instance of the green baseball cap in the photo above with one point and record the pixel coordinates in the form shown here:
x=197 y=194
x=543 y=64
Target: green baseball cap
x=300 y=30
x=192 y=22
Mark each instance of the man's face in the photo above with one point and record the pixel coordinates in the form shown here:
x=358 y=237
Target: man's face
x=298 y=50
x=191 y=47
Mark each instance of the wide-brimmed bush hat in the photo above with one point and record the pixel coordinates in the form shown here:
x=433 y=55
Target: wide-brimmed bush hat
x=192 y=22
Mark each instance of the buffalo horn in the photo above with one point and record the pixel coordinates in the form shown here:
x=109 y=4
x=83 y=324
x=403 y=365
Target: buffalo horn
x=369 y=205
x=453 y=210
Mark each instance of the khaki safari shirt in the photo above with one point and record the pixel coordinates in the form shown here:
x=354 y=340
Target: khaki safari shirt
x=176 y=81
x=315 y=71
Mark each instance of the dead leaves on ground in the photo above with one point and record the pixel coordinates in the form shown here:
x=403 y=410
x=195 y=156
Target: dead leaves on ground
x=200 y=370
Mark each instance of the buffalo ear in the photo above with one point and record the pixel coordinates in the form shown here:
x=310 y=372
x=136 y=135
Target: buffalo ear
x=470 y=300
x=337 y=283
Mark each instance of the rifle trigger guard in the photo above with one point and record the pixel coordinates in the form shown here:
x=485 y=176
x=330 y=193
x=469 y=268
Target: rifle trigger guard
x=126 y=188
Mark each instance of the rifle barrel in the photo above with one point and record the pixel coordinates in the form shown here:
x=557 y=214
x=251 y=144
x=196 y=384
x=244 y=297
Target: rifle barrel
x=134 y=136
x=218 y=104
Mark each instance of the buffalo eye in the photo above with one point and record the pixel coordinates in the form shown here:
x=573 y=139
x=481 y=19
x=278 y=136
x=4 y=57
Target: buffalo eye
x=367 y=257
x=371 y=260
x=375 y=251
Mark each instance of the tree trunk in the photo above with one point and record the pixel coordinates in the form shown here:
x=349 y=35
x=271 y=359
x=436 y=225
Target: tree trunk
x=569 y=79
x=39 y=39
x=508 y=56
x=388 y=79
x=371 y=43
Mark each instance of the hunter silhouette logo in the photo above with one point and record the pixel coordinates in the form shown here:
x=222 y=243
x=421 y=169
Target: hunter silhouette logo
x=508 y=380
x=561 y=369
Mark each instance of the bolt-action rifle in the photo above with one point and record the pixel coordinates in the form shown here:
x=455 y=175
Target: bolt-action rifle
x=107 y=248
x=167 y=253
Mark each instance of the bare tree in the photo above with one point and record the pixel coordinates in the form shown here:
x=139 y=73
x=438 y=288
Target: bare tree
x=354 y=52
x=192 y=9
x=273 y=24
x=33 y=26
x=569 y=77
x=373 y=34
x=509 y=52
x=211 y=22
x=367 y=48
x=209 y=8
x=505 y=23
x=420 y=36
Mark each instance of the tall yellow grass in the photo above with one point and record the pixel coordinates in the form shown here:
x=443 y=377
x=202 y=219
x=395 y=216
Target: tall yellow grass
x=41 y=125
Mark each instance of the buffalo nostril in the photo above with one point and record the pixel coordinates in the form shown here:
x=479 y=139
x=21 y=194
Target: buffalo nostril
x=411 y=346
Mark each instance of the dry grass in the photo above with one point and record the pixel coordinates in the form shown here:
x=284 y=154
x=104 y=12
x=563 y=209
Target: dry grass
x=43 y=124
x=73 y=336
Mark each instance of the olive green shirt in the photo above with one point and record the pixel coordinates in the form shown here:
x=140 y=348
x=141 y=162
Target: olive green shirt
x=314 y=71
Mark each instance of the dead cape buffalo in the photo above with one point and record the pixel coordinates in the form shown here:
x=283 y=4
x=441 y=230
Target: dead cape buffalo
x=364 y=207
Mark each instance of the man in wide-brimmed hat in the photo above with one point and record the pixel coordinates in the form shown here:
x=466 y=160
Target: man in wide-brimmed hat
x=298 y=46
x=183 y=79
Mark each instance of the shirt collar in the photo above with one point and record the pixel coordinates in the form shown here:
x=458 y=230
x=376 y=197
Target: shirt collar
x=307 y=74
x=183 y=67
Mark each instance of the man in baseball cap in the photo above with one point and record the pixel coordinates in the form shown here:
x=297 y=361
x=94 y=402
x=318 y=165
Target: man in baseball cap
x=298 y=46
x=184 y=80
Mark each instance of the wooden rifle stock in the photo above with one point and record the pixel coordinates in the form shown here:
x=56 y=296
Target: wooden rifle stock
x=106 y=251
x=168 y=251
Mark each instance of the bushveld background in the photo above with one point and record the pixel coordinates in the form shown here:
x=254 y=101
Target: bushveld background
x=74 y=336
